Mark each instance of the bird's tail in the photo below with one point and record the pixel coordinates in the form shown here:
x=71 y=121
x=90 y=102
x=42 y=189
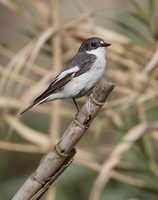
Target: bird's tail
x=43 y=98
x=36 y=102
x=26 y=109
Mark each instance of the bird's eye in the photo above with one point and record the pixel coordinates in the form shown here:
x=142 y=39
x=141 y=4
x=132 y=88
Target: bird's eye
x=93 y=44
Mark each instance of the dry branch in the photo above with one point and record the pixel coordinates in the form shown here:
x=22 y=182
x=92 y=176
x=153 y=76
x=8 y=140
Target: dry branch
x=56 y=62
x=132 y=181
x=56 y=65
x=19 y=147
x=115 y=157
x=7 y=53
x=26 y=132
x=58 y=159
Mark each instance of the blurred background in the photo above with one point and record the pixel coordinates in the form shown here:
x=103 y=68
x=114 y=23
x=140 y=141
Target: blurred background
x=37 y=39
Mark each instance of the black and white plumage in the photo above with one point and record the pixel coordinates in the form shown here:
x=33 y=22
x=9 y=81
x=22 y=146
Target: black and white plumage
x=80 y=76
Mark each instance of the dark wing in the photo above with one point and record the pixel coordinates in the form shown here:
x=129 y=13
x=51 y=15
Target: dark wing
x=83 y=60
x=52 y=88
x=84 y=63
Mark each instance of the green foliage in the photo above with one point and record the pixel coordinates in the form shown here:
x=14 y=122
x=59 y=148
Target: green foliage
x=140 y=18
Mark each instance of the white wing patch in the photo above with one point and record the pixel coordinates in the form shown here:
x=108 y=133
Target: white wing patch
x=65 y=72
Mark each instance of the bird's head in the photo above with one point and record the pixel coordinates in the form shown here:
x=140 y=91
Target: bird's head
x=93 y=45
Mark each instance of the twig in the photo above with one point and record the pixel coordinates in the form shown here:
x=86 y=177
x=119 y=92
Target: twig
x=53 y=164
x=42 y=9
x=17 y=62
x=14 y=6
x=132 y=181
x=34 y=67
x=26 y=132
x=151 y=66
x=54 y=127
x=13 y=104
x=82 y=158
x=100 y=31
x=56 y=65
x=126 y=143
x=26 y=148
x=15 y=77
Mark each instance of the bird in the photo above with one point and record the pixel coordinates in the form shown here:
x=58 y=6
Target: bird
x=80 y=76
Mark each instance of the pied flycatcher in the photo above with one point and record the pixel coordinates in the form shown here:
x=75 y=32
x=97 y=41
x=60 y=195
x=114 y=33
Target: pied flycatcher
x=80 y=76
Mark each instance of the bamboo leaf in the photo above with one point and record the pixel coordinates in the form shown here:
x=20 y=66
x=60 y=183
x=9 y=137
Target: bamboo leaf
x=132 y=31
x=137 y=7
x=139 y=18
x=143 y=14
x=150 y=9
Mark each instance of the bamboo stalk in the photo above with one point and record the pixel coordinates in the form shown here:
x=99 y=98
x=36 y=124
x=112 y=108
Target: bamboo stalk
x=56 y=64
x=54 y=129
x=59 y=158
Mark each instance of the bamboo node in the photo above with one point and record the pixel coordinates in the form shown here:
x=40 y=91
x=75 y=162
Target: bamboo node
x=82 y=126
x=34 y=177
x=95 y=101
x=60 y=151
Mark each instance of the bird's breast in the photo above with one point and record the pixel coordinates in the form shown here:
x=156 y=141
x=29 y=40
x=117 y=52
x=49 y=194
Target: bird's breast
x=81 y=85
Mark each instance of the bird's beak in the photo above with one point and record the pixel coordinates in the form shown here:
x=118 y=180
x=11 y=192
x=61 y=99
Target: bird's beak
x=105 y=44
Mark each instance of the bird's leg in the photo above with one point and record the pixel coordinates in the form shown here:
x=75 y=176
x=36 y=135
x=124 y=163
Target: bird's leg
x=76 y=105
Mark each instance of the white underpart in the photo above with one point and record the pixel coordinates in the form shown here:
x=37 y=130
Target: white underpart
x=85 y=81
